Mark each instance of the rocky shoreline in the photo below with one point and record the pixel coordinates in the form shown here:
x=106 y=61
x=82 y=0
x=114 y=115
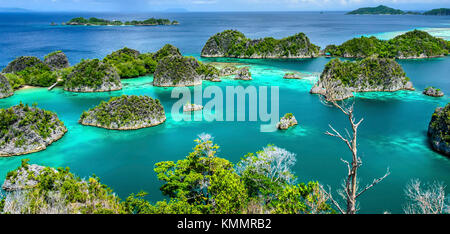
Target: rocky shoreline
x=439 y=130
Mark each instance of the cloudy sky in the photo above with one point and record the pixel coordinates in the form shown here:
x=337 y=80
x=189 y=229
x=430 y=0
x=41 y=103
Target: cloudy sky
x=216 y=5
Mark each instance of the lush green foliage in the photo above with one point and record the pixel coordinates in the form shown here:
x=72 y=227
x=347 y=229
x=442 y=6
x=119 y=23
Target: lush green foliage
x=130 y=63
x=97 y=21
x=90 y=73
x=125 y=110
x=165 y=51
x=411 y=44
x=207 y=70
x=440 y=11
x=440 y=123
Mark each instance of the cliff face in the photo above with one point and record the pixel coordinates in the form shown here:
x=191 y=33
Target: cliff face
x=177 y=71
x=93 y=76
x=232 y=43
x=125 y=113
x=165 y=51
x=28 y=129
x=439 y=130
x=57 y=60
x=5 y=87
x=340 y=79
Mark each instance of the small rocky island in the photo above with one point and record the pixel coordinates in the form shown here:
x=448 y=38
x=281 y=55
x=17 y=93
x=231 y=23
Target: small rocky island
x=340 y=79
x=291 y=75
x=126 y=112
x=414 y=44
x=177 y=70
x=243 y=74
x=93 y=76
x=439 y=130
x=379 y=10
x=103 y=22
x=432 y=91
x=189 y=107
x=234 y=44
x=28 y=129
x=287 y=121
x=57 y=60
x=5 y=87
x=131 y=63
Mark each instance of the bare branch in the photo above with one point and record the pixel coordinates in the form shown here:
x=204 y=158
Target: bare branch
x=375 y=181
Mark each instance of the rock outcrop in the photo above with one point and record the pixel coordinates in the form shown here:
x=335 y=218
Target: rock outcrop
x=232 y=43
x=93 y=76
x=431 y=91
x=287 y=121
x=57 y=60
x=192 y=107
x=165 y=51
x=177 y=70
x=439 y=130
x=21 y=63
x=23 y=178
x=28 y=130
x=228 y=71
x=5 y=87
x=243 y=74
x=125 y=113
x=340 y=79
x=291 y=75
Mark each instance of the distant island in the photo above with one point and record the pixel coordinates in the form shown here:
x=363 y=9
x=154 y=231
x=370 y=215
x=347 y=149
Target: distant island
x=385 y=10
x=96 y=21
x=234 y=44
x=411 y=45
x=440 y=11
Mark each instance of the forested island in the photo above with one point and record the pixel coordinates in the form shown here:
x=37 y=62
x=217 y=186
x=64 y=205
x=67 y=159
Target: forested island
x=384 y=10
x=126 y=112
x=340 y=79
x=234 y=44
x=27 y=129
x=103 y=22
x=439 y=130
x=411 y=45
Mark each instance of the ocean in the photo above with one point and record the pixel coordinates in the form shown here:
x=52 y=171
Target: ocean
x=393 y=134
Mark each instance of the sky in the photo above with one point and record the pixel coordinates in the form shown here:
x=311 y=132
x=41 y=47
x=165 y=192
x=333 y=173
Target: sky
x=216 y=5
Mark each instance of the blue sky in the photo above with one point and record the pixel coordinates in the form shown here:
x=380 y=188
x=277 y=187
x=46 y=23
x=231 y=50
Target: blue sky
x=216 y=5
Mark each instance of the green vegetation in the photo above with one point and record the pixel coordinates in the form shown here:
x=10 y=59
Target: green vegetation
x=207 y=70
x=439 y=127
x=92 y=74
x=125 y=112
x=60 y=191
x=19 y=123
x=166 y=50
x=130 y=63
x=376 y=11
x=97 y=21
x=202 y=183
x=440 y=11
x=375 y=71
x=232 y=43
x=412 y=44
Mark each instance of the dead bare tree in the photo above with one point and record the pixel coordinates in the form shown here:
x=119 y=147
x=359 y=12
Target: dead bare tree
x=351 y=191
x=431 y=200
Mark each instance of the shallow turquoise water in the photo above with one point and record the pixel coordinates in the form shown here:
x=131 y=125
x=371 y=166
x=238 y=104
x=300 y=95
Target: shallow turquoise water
x=392 y=135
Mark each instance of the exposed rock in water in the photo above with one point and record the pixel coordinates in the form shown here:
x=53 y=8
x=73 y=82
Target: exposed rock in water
x=243 y=74
x=192 y=107
x=57 y=60
x=5 y=87
x=431 y=91
x=21 y=63
x=93 y=76
x=165 y=51
x=287 y=121
x=28 y=130
x=177 y=71
x=439 y=130
x=340 y=79
x=229 y=70
x=232 y=43
x=125 y=113
x=291 y=75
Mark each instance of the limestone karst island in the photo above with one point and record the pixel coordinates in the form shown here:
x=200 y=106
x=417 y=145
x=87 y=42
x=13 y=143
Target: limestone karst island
x=251 y=108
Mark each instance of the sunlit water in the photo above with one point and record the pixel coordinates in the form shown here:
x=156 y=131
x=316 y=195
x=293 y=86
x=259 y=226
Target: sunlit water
x=393 y=134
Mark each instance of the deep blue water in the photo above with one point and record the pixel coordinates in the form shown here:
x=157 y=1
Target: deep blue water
x=392 y=135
